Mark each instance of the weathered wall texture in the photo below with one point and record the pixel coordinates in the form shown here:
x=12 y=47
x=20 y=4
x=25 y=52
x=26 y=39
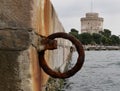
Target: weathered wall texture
x=21 y=22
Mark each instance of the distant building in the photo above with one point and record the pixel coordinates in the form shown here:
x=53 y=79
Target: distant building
x=92 y=23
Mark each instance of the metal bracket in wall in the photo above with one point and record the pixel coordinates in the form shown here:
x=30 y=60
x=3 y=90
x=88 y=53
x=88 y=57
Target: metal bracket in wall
x=48 y=44
x=43 y=43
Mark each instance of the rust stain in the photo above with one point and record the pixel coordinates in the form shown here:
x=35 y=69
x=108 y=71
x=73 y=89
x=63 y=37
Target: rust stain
x=44 y=22
x=42 y=18
x=47 y=16
x=38 y=16
x=49 y=44
x=35 y=70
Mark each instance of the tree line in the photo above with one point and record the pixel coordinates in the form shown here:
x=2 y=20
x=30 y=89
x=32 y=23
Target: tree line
x=102 y=38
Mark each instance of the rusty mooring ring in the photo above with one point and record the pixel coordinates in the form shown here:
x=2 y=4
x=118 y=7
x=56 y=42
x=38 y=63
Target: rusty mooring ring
x=78 y=64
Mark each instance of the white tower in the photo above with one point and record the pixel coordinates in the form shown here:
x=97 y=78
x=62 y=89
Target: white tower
x=92 y=23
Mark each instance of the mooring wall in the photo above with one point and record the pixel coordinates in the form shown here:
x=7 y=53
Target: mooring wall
x=21 y=23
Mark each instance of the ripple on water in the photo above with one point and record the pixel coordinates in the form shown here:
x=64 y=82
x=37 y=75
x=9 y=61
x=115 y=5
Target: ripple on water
x=101 y=72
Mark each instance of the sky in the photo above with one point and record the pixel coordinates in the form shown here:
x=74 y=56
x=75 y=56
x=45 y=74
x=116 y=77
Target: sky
x=70 y=11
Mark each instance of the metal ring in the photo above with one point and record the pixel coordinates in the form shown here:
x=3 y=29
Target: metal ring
x=78 y=65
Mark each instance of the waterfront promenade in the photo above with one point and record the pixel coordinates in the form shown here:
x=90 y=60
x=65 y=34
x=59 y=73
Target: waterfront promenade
x=101 y=47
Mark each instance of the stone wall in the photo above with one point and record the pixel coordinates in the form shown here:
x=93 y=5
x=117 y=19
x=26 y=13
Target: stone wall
x=21 y=23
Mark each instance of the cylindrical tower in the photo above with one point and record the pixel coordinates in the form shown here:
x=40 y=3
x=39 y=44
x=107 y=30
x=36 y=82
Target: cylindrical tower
x=92 y=23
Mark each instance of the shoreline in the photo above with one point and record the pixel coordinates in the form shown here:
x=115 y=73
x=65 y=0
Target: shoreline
x=98 y=47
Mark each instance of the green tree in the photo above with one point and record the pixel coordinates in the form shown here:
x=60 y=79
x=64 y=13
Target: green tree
x=96 y=38
x=106 y=37
x=106 y=33
x=105 y=40
x=103 y=37
x=74 y=32
x=85 y=38
x=115 y=40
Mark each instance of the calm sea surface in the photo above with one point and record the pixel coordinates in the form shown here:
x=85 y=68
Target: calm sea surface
x=101 y=72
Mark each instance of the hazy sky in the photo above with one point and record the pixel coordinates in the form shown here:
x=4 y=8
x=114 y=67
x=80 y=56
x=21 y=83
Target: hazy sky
x=70 y=12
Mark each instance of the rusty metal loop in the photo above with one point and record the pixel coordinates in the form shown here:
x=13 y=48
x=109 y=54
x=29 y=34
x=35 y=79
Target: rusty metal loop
x=78 y=64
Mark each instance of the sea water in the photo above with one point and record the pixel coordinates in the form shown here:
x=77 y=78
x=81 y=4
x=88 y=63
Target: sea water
x=100 y=72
